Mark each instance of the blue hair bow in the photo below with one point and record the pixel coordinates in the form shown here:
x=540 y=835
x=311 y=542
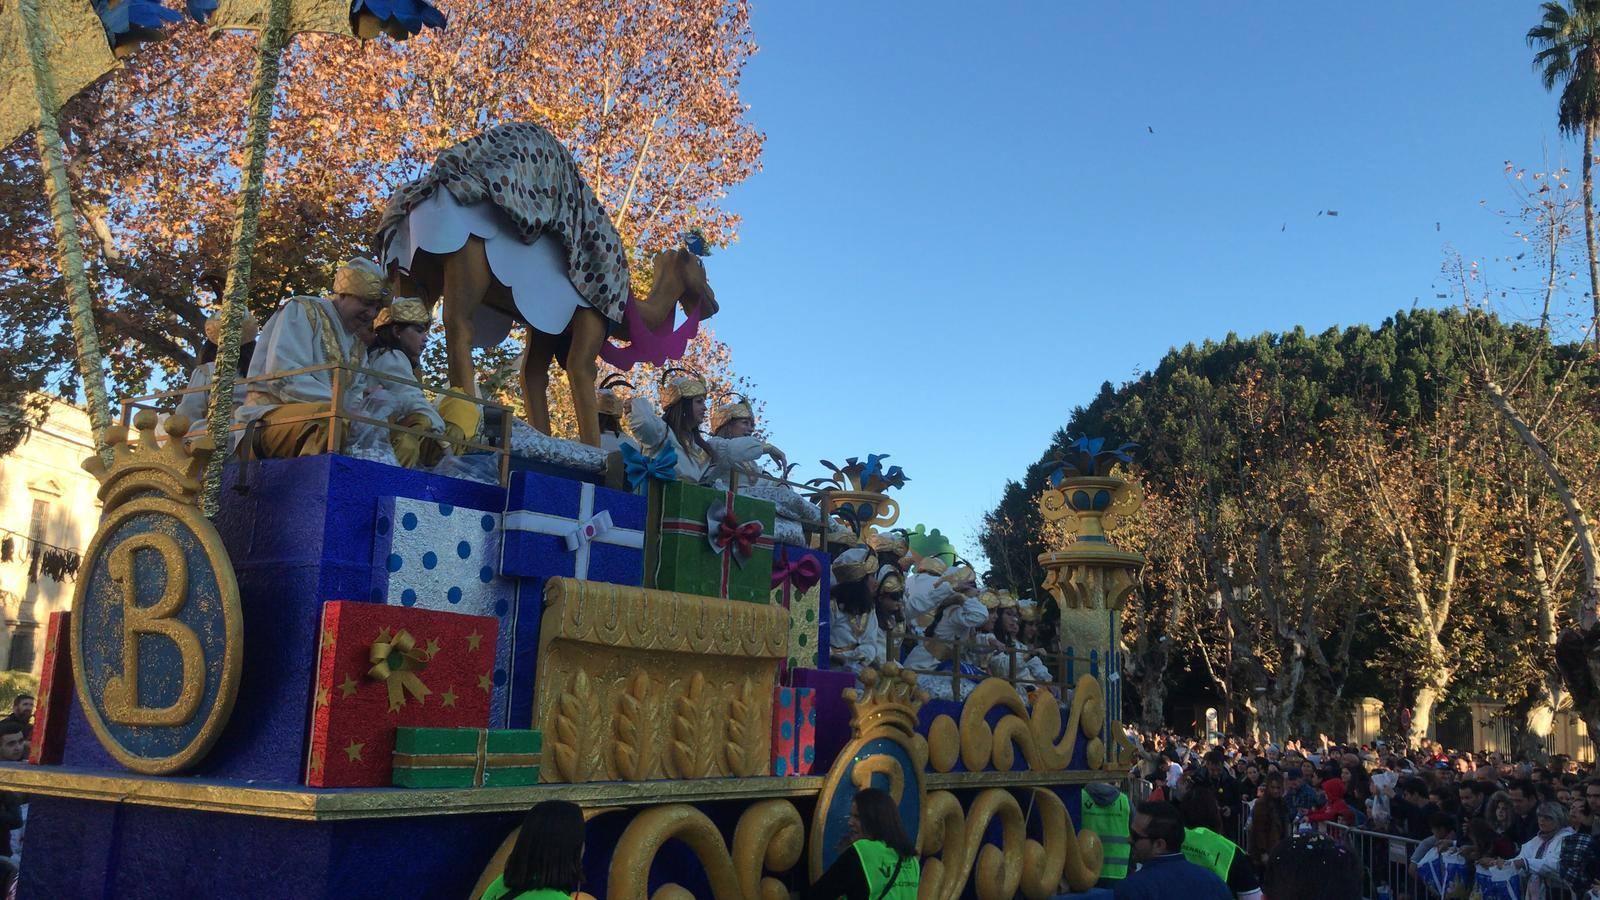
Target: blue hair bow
x=641 y=468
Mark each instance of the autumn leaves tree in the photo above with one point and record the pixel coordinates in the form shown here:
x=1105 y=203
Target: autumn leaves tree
x=645 y=93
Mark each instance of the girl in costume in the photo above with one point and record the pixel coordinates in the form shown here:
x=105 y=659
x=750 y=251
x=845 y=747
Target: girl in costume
x=612 y=410
x=196 y=406
x=733 y=421
x=400 y=332
x=878 y=860
x=956 y=625
x=683 y=402
x=855 y=637
x=1031 y=672
x=547 y=861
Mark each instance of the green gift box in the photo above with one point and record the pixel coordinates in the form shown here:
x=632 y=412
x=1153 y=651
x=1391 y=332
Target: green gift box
x=708 y=542
x=466 y=757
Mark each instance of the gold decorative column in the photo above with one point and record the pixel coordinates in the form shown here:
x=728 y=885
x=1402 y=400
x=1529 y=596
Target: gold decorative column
x=1089 y=576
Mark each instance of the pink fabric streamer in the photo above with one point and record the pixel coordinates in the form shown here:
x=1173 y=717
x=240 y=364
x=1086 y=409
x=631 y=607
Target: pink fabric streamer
x=654 y=347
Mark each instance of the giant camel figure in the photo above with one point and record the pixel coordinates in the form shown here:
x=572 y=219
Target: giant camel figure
x=505 y=228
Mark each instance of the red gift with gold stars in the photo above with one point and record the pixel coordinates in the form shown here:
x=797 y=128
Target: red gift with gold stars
x=380 y=667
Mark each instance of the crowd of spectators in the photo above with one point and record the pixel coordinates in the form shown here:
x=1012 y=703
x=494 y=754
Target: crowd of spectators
x=1542 y=818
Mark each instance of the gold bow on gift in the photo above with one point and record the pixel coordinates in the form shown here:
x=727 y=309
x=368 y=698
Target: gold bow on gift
x=396 y=662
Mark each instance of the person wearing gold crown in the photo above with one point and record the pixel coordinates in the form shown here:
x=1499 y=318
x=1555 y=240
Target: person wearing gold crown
x=701 y=460
x=1031 y=670
x=612 y=410
x=400 y=332
x=956 y=637
x=856 y=636
x=303 y=333
x=196 y=405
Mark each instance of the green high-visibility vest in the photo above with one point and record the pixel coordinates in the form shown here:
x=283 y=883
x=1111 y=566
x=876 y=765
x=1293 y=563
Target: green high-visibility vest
x=1209 y=850
x=499 y=891
x=1111 y=823
x=880 y=864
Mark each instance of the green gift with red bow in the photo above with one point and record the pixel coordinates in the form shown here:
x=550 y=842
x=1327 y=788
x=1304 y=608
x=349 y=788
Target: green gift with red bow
x=708 y=542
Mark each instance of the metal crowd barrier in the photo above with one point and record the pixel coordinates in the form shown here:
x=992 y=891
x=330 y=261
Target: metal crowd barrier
x=1386 y=868
x=340 y=419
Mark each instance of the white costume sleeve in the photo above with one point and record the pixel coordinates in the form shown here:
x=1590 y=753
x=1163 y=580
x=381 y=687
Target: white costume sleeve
x=645 y=424
x=959 y=620
x=193 y=406
x=290 y=341
x=400 y=381
x=924 y=593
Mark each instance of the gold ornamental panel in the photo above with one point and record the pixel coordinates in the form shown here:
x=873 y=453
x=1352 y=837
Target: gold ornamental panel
x=637 y=684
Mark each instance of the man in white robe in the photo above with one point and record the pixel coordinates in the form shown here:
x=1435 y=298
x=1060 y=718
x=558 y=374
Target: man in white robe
x=307 y=332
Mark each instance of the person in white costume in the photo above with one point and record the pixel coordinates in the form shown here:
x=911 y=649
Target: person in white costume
x=307 y=332
x=701 y=460
x=1031 y=671
x=400 y=335
x=196 y=405
x=855 y=637
x=956 y=626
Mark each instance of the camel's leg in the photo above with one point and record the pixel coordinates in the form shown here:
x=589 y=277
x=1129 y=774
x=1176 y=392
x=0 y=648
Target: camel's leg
x=466 y=281
x=541 y=349
x=588 y=335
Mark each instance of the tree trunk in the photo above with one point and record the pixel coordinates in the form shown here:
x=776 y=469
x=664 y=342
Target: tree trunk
x=1588 y=227
x=1428 y=696
x=1576 y=517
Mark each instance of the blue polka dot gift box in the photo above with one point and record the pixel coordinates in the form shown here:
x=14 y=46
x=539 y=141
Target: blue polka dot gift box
x=380 y=668
x=559 y=528
x=446 y=557
x=794 y=731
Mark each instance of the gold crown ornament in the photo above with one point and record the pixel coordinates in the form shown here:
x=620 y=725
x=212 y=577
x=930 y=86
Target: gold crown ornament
x=403 y=311
x=147 y=465
x=685 y=387
x=1029 y=610
x=890 y=697
x=738 y=409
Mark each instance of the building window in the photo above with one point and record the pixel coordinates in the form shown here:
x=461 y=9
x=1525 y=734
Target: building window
x=21 y=659
x=41 y=513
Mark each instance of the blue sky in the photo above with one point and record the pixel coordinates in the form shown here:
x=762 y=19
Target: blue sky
x=964 y=223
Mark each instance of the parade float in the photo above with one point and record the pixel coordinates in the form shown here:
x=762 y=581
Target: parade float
x=335 y=676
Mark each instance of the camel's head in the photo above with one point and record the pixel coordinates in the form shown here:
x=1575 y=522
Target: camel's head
x=687 y=275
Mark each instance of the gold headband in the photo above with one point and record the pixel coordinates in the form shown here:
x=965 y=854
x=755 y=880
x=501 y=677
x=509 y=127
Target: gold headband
x=884 y=541
x=844 y=572
x=361 y=278
x=403 y=311
x=725 y=414
x=686 y=388
x=998 y=600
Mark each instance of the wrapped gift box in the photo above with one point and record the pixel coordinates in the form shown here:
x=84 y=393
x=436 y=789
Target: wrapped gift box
x=466 y=757
x=831 y=714
x=55 y=694
x=800 y=583
x=794 y=731
x=446 y=557
x=708 y=542
x=559 y=528
x=381 y=667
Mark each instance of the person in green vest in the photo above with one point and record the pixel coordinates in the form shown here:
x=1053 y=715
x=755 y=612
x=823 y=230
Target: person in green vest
x=547 y=861
x=1105 y=812
x=879 y=861
x=1224 y=858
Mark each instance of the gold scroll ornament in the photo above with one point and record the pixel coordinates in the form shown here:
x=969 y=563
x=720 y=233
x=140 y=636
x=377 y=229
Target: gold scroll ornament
x=637 y=684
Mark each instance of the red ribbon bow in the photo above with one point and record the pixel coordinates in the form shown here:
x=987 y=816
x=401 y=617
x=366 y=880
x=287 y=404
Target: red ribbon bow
x=801 y=574
x=740 y=538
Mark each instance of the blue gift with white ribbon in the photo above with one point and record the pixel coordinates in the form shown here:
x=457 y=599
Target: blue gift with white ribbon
x=556 y=527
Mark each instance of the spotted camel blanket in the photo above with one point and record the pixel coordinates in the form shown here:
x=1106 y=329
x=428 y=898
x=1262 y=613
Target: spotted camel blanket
x=525 y=172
